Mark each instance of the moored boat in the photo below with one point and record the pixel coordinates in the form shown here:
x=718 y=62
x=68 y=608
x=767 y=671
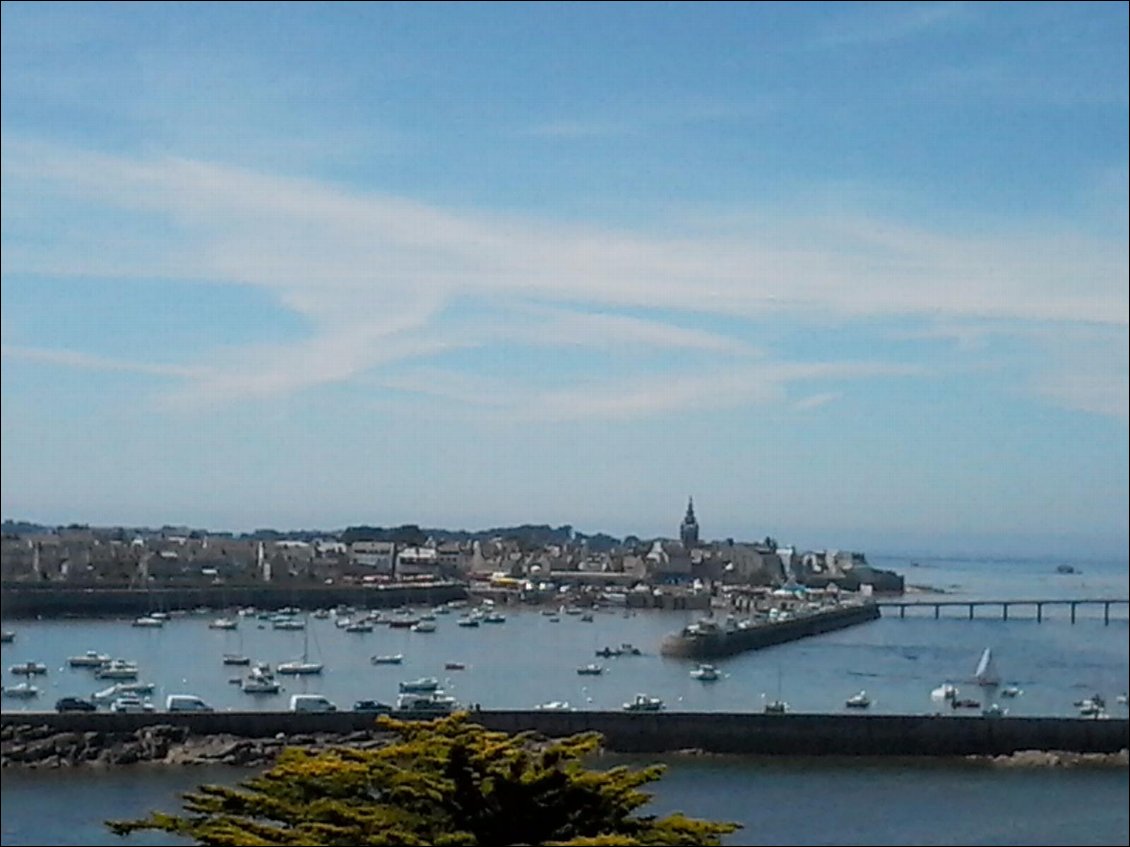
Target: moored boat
x=89 y=659
x=860 y=700
x=706 y=673
x=29 y=668
x=394 y=659
x=644 y=703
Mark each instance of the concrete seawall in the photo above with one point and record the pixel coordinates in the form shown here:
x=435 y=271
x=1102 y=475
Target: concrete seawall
x=798 y=735
x=25 y=601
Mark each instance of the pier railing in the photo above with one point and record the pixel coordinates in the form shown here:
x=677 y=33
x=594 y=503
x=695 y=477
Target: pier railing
x=1006 y=607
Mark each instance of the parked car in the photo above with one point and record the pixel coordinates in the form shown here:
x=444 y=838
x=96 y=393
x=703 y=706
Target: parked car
x=311 y=703
x=131 y=703
x=74 y=704
x=186 y=703
x=372 y=706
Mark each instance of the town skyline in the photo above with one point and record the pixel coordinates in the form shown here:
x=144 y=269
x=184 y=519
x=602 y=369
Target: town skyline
x=851 y=274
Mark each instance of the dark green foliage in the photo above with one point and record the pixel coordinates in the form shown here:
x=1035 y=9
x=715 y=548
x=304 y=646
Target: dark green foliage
x=441 y=782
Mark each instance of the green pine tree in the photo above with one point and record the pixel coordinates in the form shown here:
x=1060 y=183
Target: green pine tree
x=442 y=782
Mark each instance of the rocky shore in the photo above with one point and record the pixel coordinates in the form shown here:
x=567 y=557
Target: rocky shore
x=29 y=746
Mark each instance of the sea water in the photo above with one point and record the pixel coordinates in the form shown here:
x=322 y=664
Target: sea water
x=532 y=659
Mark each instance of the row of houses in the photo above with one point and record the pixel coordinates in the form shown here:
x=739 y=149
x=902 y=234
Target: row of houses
x=90 y=556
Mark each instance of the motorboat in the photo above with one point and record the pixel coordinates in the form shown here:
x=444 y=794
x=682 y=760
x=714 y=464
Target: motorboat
x=359 y=626
x=860 y=700
x=494 y=617
x=468 y=621
x=627 y=649
x=21 y=691
x=454 y=666
x=965 y=703
x=236 y=659
x=644 y=703
x=387 y=660
x=7 y=636
x=587 y=617
x=260 y=680
x=150 y=621
x=89 y=659
x=590 y=670
x=607 y=652
x=287 y=623
x=1011 y=691
x=1092 y=707
x=555 y=706
x=117 y=669
x=29 y=668
x=776 y=707
x=994 y=711
x=706 y=673
x=424 y=626
x=224 y=623
x=423 y=685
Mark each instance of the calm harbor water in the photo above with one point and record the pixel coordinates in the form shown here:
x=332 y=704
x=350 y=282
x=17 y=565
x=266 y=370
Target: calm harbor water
x=529 y=659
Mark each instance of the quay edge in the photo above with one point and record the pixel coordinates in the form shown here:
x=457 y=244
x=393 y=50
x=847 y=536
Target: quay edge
x=667 y=732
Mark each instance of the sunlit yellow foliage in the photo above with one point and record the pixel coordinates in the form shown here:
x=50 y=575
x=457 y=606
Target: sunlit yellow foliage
x=439 y=783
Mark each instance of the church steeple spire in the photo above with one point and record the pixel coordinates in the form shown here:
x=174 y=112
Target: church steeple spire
x=688 y=530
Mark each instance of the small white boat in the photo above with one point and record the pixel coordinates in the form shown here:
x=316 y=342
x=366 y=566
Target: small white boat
x=89 y=659
x=424 y=626
x=224 y=623
x=387 y=660
x=591 y=670
x=299 y=667
x=117 y=669
x=1011 y=691
x=945 y=691
x=494 y=617
x=555 y=706
x=150 y=621
x=21 y=691
x=994 y=711
x=287 y=623
x=424 y=685
x=706 y=673
x=359 y=626
x=859 y=700
x=468 y=621
x=260 y=680
x=29 y=668
x=644 y=703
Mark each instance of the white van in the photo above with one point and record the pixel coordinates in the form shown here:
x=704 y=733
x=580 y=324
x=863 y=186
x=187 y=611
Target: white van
x=311 y=703
x=186 y=703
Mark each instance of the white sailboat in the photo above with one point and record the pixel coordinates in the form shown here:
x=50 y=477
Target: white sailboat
x=986 y=673
x=301 y=666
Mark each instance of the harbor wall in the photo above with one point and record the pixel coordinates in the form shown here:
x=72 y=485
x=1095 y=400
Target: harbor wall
x=739 y=733
x=26 y=601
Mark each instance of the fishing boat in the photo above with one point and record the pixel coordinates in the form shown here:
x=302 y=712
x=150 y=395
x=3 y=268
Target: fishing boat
x=260 y=680
x=986 y=673
x=859 y=700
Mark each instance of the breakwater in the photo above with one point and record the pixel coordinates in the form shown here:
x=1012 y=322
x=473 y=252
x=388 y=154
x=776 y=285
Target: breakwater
x=21 y=600
x=707 y=640
x=739 y=733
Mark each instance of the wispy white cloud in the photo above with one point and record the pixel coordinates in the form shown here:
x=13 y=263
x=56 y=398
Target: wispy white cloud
x=882 y=23
x=377 y=277
x=87 y=362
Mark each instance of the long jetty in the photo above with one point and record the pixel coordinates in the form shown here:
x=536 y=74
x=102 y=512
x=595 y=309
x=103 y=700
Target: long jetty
x=711 y=732
x=1005 y=606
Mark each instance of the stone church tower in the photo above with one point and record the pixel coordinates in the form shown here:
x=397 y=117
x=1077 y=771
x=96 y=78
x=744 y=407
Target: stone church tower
x=688 y=529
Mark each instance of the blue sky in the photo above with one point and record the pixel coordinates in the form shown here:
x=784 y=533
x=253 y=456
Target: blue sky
x=851 y=274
